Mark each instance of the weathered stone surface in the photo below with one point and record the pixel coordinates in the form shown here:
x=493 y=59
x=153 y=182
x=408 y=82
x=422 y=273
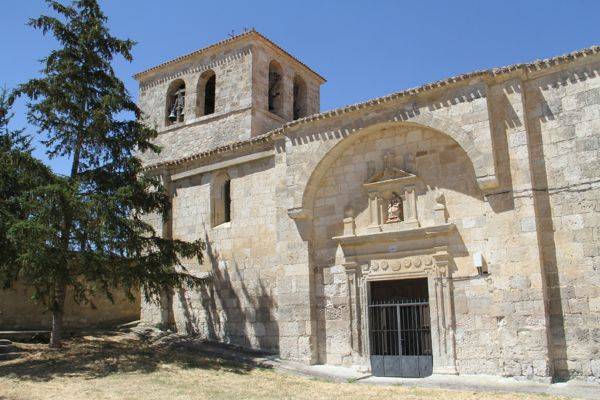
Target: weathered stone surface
x=505 y=168
x=19 y=312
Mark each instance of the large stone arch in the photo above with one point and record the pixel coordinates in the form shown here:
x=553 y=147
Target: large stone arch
x=478 y=149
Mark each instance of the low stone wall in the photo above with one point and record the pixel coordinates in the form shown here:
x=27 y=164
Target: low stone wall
x=19 y=312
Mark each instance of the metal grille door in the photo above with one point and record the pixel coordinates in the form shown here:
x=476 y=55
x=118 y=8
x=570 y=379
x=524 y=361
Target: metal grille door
x=400 y=336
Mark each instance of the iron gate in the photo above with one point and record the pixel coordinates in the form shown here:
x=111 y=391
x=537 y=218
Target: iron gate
x=400 y=336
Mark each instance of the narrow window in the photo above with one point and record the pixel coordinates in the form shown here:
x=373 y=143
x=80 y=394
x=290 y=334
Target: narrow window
x=275 y=89
x=227 y=201
x=209 y=95
x=206 y=93
x=221 y=199
x=176 y=102
x=300 y=108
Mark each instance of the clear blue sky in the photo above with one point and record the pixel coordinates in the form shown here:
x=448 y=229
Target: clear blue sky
x=364 y=49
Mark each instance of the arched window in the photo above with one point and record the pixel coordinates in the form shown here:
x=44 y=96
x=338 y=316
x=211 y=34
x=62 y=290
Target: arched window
x=275 y=89
x=175 y=102
x=221 y=199
x=206 y=93
x=300 y=106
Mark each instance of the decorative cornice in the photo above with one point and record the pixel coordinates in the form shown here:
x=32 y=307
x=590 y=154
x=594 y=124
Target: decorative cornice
x=413 y=263
x=396 y=235
x=525 y=67
x=231 y=147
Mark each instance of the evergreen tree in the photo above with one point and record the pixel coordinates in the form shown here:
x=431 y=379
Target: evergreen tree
x=21 y=176
x=96 y=238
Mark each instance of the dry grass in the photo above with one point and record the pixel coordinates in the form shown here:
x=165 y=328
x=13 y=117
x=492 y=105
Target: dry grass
x=122 y=367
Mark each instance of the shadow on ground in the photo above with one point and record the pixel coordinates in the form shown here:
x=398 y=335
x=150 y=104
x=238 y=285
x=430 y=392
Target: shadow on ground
x=99 y=356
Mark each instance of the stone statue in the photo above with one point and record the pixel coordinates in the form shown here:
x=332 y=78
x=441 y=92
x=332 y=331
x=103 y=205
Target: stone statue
x=394 y=209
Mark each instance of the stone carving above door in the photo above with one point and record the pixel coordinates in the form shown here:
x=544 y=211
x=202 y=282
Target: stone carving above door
x=418 y=263
x=434 y=263
x=392 y=197
x=389 y=227
x=402 y=266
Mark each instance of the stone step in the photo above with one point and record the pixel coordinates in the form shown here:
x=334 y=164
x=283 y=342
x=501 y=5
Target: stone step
x=8 y=356
x=7 y=348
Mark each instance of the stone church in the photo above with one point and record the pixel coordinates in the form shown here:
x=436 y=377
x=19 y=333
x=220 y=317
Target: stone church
x=451 y=228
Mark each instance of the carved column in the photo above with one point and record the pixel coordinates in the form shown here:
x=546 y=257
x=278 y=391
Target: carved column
x=410 y=206
x=442 y=316
x=374 y=211
x=354 y=282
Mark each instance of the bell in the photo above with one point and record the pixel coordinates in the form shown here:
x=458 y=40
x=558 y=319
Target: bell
x=172 y=116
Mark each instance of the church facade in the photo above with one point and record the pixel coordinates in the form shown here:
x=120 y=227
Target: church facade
x=451 y=228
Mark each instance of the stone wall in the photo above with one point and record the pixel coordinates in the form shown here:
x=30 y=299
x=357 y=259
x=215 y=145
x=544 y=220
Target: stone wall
x=241 y=99
x=516 y=158
x=563 y=120
x=231 y=120
x=264 y=120
x=482 y=318
x=238 y=303
x=441 y=166
x=19 y=312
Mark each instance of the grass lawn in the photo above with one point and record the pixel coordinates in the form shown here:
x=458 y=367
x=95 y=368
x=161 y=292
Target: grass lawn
x=123 y=367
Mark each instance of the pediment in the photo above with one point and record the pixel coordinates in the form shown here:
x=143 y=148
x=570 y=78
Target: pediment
x=389 y=173
x=369 y=246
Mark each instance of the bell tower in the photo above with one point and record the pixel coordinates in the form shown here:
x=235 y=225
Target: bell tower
x=231 y=91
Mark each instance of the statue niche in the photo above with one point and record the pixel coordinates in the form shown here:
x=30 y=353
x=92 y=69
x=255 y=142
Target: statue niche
x=392 y=199
x=394 y=209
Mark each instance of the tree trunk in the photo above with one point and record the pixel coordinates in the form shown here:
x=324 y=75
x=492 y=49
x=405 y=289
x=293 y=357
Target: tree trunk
x=58 y=311
x=60 y=289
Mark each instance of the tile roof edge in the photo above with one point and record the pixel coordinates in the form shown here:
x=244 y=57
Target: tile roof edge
x=528 y=67
x=229 y=40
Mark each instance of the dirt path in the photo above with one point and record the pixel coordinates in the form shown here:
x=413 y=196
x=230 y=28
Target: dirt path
x=121 y=366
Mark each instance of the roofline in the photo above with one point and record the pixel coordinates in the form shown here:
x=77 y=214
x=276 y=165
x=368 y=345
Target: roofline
x=250 y=33
x=493 y=72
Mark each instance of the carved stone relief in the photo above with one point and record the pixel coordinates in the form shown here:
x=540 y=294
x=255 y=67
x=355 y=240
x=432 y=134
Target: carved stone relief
x=436 y=268
x=392 y=200
x=395 y=246
x=413 y=264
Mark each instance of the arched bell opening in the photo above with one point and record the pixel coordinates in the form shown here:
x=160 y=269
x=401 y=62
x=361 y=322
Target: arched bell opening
x=175 y=108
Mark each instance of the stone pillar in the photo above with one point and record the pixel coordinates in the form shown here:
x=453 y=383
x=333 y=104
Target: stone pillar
x=296 y=300
x=531 y=354
x=375 y=212
x=410 y=207
x=442 y=316
x=355 y=301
